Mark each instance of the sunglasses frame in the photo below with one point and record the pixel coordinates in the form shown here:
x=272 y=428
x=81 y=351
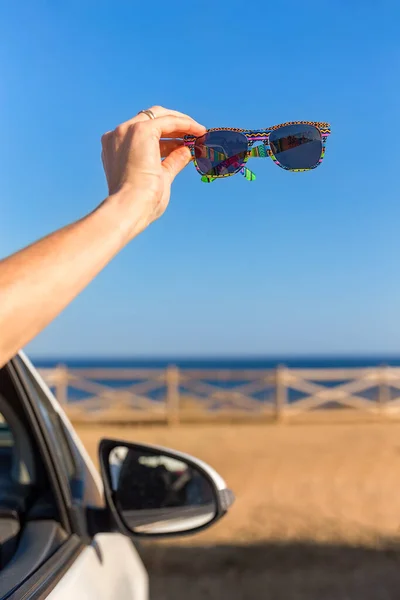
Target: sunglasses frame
x=263 y=150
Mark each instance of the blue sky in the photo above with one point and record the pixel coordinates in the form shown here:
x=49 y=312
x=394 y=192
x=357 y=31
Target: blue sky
x=289 y=264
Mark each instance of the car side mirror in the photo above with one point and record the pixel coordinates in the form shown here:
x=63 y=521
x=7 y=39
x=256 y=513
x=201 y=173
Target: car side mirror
x=154 y=491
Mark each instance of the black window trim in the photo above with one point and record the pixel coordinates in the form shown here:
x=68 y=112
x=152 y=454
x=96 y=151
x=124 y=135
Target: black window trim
x=77 y=511
x=54 y=469
x=66 y=454
x=41 y=583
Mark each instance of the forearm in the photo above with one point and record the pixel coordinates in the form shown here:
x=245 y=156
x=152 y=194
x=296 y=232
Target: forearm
x=38 y=282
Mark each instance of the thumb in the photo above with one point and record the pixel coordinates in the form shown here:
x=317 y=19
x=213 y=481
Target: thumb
x=176 y=161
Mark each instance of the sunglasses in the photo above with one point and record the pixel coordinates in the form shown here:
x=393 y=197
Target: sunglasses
x=295 y=146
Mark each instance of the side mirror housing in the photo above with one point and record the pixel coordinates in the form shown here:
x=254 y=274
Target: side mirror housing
x=156 y=492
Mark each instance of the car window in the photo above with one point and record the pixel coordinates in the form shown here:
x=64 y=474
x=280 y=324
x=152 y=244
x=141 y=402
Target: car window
x=6 y=449
x=53 y=425
x=6 y=436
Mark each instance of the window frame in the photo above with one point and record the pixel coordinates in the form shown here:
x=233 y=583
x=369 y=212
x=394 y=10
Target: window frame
x=54 y=426
x=45 y=441
x=38 y=585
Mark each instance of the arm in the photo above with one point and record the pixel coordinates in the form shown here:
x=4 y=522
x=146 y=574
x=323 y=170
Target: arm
x=38 y=282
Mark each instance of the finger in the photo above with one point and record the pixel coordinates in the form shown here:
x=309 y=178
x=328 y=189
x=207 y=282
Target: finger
x=176 y=161
x=168 y=146
x=158 y=111
x=172 y=126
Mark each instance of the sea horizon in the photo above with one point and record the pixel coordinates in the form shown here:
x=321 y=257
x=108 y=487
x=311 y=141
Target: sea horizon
x=221 y=362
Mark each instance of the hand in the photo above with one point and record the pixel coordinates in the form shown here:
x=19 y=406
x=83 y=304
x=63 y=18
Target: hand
x=132 y=163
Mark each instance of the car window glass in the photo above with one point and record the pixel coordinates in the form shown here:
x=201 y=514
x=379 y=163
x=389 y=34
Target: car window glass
x=6 y=436
x=53 y=425
x=6 y=449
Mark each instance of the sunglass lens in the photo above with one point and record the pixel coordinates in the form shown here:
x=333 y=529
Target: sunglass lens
x=296 y=146
x=220 y=152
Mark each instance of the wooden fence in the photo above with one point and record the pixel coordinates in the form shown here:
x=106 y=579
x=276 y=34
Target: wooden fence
x=175 y=395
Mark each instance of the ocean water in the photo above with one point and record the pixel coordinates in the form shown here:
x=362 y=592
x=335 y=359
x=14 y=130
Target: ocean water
x=266 y=395
x=221 y=363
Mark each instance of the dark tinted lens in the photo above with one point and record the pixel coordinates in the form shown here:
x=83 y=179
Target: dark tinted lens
x=296 y=146
x=220 y=152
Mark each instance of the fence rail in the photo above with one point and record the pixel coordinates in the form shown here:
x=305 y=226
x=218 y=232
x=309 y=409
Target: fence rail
x=175 y=395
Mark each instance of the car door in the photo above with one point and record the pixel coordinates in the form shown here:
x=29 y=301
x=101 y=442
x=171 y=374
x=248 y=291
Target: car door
x=102 y=566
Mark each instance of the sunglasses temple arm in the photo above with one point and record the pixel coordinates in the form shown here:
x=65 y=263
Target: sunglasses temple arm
x=248 y=174
x=207 y=179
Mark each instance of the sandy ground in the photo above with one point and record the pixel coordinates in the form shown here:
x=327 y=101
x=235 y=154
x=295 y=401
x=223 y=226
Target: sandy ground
x=317 y=513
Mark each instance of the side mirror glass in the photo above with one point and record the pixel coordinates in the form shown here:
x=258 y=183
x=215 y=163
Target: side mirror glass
x=154 y=491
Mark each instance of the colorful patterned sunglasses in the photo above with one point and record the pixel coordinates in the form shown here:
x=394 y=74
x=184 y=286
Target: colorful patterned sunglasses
x=294 y=146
